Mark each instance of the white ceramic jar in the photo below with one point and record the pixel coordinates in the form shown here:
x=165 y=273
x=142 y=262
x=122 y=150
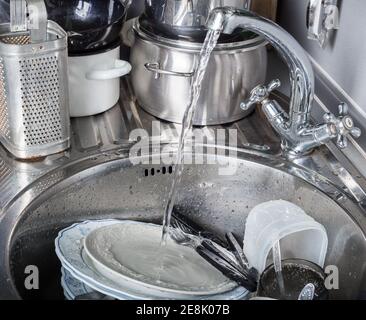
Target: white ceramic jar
x=94 y=81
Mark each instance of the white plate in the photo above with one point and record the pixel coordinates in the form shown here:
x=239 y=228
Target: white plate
x=69 y=249
x=73 y=287
x=131 y=254
x=81 y=288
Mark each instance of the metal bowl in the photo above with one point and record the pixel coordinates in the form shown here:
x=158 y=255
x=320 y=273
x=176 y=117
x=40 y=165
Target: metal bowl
x=91 y=25
x=184 y=19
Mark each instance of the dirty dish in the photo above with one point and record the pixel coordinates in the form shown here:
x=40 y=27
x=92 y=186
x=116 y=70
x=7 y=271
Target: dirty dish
x=73 y=287
x=132 y=252
x=70 y=250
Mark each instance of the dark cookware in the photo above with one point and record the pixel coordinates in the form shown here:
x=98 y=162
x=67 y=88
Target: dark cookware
x=91 y=24
x=296 y=274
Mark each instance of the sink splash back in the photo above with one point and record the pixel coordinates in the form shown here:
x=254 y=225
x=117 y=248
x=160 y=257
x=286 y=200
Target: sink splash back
x=340 y=67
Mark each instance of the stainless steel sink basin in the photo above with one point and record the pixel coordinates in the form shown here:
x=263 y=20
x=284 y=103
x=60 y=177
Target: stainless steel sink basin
x=110 y=186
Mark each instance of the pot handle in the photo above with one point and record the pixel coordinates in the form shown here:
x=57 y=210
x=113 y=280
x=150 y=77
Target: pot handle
x=120 y=69
x=155 y=68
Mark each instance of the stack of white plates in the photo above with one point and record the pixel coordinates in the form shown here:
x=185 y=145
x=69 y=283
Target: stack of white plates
x=73 y=288
x=122 y=260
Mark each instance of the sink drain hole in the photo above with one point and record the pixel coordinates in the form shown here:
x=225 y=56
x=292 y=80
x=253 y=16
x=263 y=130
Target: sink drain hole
x=164 y=170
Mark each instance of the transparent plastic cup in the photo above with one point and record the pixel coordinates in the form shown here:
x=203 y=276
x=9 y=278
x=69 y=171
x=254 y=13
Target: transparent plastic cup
x=300 y=236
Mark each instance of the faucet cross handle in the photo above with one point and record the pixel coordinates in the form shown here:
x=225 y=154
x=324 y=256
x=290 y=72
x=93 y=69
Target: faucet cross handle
x=260 y=94
x=343 y=126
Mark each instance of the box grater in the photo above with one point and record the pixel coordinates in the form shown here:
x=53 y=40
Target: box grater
x=34 y=116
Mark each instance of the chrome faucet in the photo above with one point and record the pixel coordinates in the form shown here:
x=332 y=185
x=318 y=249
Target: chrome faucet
x=298 y=135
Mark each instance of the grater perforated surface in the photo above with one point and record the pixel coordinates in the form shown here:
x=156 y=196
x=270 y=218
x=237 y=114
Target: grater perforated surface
x=40 y=94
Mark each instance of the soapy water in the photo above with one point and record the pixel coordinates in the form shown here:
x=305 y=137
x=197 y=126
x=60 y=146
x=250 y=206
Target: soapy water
x=207 y=48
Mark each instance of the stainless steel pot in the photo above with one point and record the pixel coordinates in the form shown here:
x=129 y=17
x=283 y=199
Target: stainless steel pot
x=184 y=19
x=162 y=70
x=187 y=13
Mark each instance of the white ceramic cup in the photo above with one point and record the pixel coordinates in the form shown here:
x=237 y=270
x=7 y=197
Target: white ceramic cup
x=94 y=82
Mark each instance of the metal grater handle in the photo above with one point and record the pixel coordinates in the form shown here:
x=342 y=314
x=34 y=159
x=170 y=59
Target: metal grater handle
x=37 y=23
x=18 y=17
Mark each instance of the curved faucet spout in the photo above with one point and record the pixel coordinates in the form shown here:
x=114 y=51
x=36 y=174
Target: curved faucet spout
x=297 y=133
x=228 y=19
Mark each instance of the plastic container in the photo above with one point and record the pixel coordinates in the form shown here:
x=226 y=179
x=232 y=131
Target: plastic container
x=301 y=237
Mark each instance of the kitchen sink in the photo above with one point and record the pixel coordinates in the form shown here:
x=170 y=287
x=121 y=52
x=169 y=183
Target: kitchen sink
x=112 y=185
